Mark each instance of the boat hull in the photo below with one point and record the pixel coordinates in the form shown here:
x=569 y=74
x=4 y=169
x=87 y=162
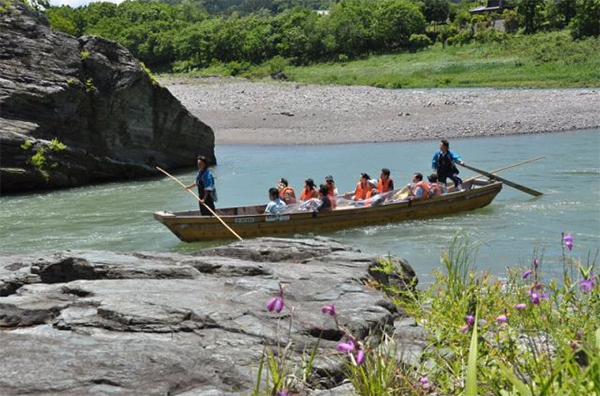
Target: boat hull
x=190 y=227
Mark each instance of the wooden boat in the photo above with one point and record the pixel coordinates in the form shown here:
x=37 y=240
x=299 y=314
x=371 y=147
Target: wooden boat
x=249 y=221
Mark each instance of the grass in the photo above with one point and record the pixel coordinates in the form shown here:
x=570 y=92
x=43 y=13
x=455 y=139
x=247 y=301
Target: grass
x=543 y=60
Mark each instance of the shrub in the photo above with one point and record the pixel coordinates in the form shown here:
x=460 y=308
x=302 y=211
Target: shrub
x=418 y=41
x=84 y=54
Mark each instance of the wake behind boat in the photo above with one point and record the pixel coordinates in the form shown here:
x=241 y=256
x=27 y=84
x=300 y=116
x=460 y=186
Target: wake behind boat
x=249 y=221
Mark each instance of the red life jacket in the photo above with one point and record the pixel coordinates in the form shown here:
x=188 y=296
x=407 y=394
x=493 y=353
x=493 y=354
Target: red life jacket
x=360 y=193
x=384 y=186
x=424 y=186
x=435 y=189
x=308 y=194
x=291 y=195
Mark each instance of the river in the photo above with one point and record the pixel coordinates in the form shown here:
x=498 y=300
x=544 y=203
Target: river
x=118 y=216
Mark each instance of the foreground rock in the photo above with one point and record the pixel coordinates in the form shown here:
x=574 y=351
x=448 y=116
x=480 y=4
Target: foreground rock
x=91 y=95
x=153 y=324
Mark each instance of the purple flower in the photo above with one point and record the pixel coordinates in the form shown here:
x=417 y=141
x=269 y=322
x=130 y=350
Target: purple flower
x=520 y=306
x=424 y=380
x=283 y=392
x=347 y=346
x=536 y=297
x=502 y=319
x=587 y=284
x=328 y=309
x=360 y=357
x=526 y=274
x=536 y=263
x=568 y=240
x=470 y=319
x=276 y=303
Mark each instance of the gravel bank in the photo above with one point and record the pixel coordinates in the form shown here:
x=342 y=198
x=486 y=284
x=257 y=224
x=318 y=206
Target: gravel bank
x=242 y=112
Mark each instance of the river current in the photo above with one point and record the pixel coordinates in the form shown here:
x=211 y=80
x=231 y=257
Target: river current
x=118 y=216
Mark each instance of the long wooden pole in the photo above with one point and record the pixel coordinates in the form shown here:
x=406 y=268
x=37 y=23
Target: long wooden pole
x=505 y=181
x=509 y=166
x=202 y=203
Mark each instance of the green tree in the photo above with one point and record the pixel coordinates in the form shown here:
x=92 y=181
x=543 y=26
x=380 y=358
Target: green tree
x=436 y=10
x=586 y=22
x=396 y=21
x=531 y=14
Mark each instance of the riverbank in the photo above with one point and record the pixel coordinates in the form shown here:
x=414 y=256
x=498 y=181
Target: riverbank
x=244 y=112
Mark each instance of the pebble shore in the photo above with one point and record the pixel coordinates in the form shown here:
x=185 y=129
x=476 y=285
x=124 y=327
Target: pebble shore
x=244 y=112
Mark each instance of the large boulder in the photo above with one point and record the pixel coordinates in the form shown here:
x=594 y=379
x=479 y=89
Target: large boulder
x=80 y=323
x=77 y=111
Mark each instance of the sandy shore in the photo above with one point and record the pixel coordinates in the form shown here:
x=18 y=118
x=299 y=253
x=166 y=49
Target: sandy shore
x=242 y=112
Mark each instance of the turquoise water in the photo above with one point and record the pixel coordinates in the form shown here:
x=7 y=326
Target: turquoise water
x=118 y=216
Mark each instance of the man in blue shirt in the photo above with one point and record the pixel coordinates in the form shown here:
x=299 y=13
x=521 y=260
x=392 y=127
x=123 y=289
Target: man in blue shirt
x=276 y=206
x=206 y=187
x=443 y=164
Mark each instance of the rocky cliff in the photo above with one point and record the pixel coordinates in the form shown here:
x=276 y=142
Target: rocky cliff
x=77 y=111
x=92 y=323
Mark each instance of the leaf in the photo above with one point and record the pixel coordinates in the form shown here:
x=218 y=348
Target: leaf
x=519 y=385
x=471 y=386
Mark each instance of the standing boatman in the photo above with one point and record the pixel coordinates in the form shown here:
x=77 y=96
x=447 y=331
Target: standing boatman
x=443 y=164
x=206 y=187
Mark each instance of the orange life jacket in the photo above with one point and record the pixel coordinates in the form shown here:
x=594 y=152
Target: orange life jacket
x=308 y=194
x=291 y=195
x=435 y=189
x=383 y=186
x=360 y=193
x=424 y=186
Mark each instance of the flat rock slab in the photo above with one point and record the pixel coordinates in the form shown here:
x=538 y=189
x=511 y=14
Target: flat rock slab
x=101 y=323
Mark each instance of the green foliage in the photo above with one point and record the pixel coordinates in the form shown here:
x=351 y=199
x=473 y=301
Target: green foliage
x=149 y=74
x=542 y=346
x=70 y=81
x=89 y=86
x=38 y=160
x=418 y=41
x=586 y=23
x=57 y=146
x=26 y=145
x=84 y=55
x=277 y=64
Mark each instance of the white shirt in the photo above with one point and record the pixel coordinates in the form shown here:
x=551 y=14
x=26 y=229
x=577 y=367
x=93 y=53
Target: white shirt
x=274 y=207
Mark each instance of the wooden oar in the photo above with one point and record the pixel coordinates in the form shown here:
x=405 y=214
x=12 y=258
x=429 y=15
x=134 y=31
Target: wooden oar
x=199 y=200
x=509 y=166
x=503 y=180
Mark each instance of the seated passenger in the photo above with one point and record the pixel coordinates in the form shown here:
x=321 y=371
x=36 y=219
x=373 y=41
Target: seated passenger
x=276 y=206
x=363 y=190
x=333 y=191
x=420 y=189
x=435 y=188
x=286 y=193
x=326 y=200
x=385 y=184
x=309 y=191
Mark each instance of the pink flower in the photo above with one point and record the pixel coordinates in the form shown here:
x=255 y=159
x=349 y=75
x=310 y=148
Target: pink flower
x=276 y=303
x=347 y=346
x=329 y=309
x=520 y=306
x=464 y=328
x=360 y=357
x=470 y=319
x=424 y=380
x=283 y=392
x=568 y=240
x=587 y=284
x=536 y=297
x=502 y=319
x=526 y=274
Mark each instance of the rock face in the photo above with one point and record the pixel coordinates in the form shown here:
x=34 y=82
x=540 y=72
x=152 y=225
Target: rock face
x=91 y=95
x=77 y=323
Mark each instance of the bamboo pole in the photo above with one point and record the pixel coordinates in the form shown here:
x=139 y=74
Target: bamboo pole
x=202 y=203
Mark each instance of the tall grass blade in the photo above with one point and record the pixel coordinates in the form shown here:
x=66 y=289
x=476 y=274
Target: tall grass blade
x=471 y=385
x=519 y=385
